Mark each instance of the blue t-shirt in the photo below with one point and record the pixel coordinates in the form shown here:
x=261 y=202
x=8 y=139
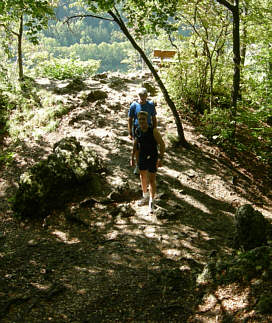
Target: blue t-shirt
x=136 y=107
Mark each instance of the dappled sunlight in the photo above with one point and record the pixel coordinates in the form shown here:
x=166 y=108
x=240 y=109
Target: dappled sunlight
x=169 y=172
x=226 y=299
x=64 y=237
x=193 y=201
x=106 y=254
x=172 y=253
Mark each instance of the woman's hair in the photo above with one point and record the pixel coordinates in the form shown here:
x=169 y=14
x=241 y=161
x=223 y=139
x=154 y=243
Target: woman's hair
x=143 y=113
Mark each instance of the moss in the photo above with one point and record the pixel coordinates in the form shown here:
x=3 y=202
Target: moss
x=51 y=183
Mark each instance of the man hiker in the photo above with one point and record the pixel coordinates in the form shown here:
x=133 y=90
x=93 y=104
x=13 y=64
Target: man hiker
x=147 y=140
x=141 y=105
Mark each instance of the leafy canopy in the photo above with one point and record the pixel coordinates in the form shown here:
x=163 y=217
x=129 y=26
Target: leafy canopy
x=35 y=13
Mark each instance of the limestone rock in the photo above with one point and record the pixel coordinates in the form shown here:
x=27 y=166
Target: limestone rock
x=75 y=85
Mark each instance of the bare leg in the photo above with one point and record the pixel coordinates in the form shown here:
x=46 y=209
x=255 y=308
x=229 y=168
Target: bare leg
x=143 y=177
x=137 y=157
x=152 y=184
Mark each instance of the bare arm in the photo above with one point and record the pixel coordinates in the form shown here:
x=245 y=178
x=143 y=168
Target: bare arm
x=132 y=161
x=160 y=142
x=130 y=127
x=154 y=121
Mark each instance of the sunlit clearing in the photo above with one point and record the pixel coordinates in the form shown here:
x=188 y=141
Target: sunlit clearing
x=63 y=237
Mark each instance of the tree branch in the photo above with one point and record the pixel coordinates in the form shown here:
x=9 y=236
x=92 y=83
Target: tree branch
x=87 y=16
x=11 y=31
x=226 y=4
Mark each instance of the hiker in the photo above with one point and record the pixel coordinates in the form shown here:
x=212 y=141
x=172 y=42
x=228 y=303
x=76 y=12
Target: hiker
x=146 y=141
x=141 y=105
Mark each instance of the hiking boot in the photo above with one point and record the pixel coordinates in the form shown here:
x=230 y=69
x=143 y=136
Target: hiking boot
x=143 y=201
x=136 y=170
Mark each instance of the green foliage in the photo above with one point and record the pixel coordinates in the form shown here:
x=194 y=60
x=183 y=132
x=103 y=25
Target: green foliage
x=38 y=114
x=68 y=68
x=242 y=267
x=8 y=93
x=35 y=14
x=6 y=158
x=218 y=126
x=253 y=123
x=110 y=56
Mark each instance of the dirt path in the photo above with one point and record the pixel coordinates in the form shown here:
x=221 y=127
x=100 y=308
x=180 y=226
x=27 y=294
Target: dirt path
x=117 y=267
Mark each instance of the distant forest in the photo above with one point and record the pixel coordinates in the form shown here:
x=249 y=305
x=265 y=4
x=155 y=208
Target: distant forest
x=88 y=38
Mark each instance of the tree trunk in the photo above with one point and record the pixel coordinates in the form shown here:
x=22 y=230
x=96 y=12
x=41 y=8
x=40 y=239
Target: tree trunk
x=20 y=55
x=236 y=49
x=236 y=55
x=244 y=37
x=169 y=101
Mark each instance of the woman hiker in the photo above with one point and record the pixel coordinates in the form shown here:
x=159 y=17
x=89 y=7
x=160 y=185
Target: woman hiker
x=142 y=104
x=147 y=140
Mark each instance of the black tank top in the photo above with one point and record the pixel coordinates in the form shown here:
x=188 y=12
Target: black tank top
x=147 y=142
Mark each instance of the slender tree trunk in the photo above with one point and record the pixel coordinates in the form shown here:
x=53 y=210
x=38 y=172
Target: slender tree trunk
x=234 y=8
x=236 y=55
x=169 y=101
x=244 y=37
x=20 y=55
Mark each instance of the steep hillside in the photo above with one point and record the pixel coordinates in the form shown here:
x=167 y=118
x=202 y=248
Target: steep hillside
x=102 y=258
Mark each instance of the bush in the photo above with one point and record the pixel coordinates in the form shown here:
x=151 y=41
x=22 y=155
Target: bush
x=218 y=126
x=65 y=68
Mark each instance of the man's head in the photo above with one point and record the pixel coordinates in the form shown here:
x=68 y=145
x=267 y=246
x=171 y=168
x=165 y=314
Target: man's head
x=142 y=92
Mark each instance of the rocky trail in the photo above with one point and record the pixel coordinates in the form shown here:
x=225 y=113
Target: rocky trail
x=111 y=262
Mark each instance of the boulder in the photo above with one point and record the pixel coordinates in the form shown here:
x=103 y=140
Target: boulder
x=73 y=86
x=117 y=83
x=95 y=95
x=52 y=182
x=100 y=76
x=250 y=228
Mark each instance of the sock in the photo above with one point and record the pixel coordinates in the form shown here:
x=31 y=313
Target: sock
x=151 y=199
x=145 y=195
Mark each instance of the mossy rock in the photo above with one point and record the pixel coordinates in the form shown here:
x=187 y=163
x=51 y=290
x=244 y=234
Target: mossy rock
x=51 y=183
x=250 y=227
